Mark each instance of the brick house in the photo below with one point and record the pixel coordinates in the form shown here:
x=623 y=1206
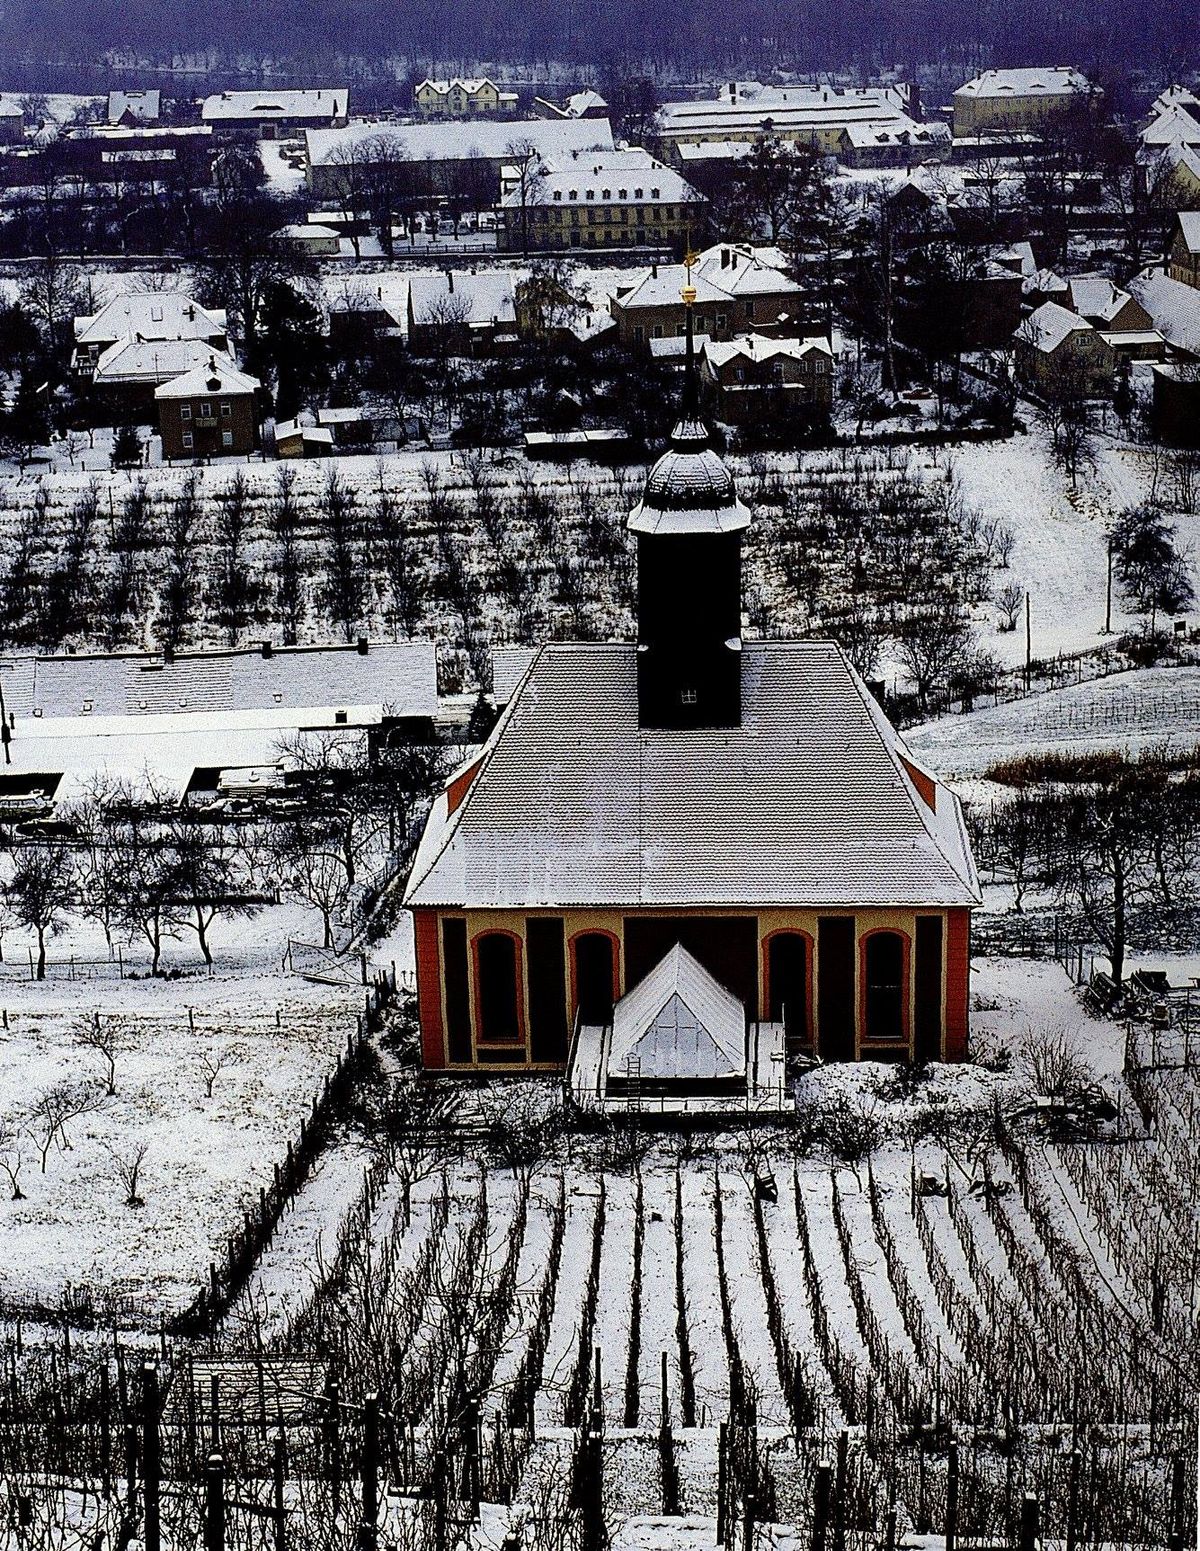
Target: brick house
x=688 y=819
x=210 y=412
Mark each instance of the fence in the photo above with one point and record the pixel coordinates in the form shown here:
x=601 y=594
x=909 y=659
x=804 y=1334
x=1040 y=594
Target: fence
x=228 y=1276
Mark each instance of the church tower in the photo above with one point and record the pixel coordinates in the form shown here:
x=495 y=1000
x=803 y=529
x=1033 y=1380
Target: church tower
x=689 y=525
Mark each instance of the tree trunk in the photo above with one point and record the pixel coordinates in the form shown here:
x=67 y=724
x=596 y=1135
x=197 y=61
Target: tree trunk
x=202 y=934
x=1117 y=953
x=41 y=960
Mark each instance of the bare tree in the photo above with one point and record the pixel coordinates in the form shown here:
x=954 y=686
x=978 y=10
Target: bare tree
x=53 y=1109
x=11 y=1159
x=109 y=1036
x=127 y=1165
x=215 y=1061
x=41 y=891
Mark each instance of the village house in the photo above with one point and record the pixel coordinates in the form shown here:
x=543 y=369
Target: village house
x=128 y=110
x=1175 y=310
x=1183 y=256
x=757 y=380
x=12 y=123
x=145 y=317
x=460 y=312
x=208 y=412
x=1018 y=99
x=313 y=238
x=597 y=200
x=270 y=115
x=690 y=796
x=581 y=104
x=462 y=97
x=738 y=287
x=1106 y=305
x=1055 y=350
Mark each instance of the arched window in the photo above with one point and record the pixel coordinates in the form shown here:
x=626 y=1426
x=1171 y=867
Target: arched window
x=595 y=976
x=787 y=982
x=499 y=994
x=885 y=986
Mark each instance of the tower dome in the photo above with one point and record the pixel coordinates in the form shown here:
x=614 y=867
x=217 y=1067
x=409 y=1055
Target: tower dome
x=689 y=489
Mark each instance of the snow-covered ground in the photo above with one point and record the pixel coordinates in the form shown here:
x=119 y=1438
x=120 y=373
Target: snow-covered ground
x=1129 y=711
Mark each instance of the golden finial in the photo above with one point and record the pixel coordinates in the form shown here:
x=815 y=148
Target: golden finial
x=690 y=260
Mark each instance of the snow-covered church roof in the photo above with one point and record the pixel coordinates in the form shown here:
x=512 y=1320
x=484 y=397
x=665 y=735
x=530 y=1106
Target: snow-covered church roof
x=678 y=1022
x=813 y=800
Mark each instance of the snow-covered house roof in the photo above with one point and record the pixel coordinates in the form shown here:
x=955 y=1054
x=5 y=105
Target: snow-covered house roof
x=1174 y=96
x=1049 y=325
x=678 y=1023
x=1045 y=282
x=1175 y=125
x=478 y=300
x=457 y=140
x=1173 y=306
x=631 y=177
x=218 y=375
x=151 y=361
x=721 y=274
x=813 y=799
x=151 y=315
x=1188 y=226
x=1060 y=81
x=11 y=110
x=1097 y=298
x=761 y=347
x=579 y=103
x=328 y=103
x=144 y=107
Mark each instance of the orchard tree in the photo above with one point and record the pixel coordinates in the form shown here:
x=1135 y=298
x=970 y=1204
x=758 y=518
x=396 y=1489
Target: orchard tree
x=41 y=891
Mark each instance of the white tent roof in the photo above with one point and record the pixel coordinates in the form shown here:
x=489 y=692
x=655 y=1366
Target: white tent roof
x=679 y=1023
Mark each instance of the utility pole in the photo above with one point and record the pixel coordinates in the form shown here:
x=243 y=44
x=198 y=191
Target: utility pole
x=1028 y=643
x=1108 y=591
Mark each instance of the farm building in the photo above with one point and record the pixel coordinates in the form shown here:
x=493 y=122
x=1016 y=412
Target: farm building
x=748 y=803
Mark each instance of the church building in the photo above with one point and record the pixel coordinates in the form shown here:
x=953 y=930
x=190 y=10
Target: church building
x=734 y=822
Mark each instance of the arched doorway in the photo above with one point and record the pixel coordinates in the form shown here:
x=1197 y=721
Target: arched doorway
x=885 y=986
x=595 y=976
x=499 y=995
x=787 y=983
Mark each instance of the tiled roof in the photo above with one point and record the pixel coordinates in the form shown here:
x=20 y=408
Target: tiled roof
x=806 y=803
x=1095 y=296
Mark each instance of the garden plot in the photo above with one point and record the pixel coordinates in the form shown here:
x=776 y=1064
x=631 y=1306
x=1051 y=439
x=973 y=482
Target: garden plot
x=201 y=1159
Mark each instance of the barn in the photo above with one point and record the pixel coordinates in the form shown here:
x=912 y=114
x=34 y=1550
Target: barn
x=747 y=802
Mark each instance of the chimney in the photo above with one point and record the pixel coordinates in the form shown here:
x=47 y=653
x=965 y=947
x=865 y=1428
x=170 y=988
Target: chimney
x=450 y=281
x=363 y=646
x=267 y=649
x=724 y=258
x=733 y=91
x=654 y=271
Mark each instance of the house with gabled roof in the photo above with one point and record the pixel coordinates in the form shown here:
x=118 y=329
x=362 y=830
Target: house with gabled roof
x=146 y=317
x=1054 y=348
x=209 y=411
x=738 y=287
x=746 y=803
x=1183 y=256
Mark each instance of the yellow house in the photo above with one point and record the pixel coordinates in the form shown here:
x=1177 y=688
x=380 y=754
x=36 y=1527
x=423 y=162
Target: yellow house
x=1017 y=99
x=462 y=97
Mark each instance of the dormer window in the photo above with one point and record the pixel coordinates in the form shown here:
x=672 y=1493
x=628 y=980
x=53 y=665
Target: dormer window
x=654 y=194
x=637 y=193
x=606 y=193
x=574 y=194
x=558 y=195
x=591 y=194
x=622 y=193
x=687 y=697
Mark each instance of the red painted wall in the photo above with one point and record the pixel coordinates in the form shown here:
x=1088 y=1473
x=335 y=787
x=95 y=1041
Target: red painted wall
x=958 y=979
x=429 y=988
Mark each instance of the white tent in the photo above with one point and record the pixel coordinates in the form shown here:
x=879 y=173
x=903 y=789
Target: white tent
x=678 y=1023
